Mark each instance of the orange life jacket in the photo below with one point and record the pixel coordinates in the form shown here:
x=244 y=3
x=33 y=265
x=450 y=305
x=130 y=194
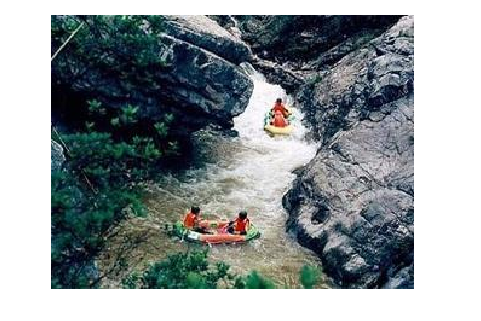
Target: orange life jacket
x=281 y=108
x=189 y=219
x=241 y=225
x=279 y=120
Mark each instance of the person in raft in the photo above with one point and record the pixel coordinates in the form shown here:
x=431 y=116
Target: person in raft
x=279 y=114
x=192 y=219
x=240 y=225
x=279 y=120
x=279 y=107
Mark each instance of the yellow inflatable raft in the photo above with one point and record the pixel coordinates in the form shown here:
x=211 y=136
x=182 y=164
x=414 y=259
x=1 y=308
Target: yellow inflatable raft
x=278 y=130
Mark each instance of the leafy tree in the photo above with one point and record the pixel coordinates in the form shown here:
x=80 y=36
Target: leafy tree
x=126 y=44
x=110 y=158
x=91 y=197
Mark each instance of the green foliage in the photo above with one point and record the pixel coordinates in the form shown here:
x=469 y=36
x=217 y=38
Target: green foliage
x=92 y=196
x=114 y=153
x=95 y=107
x=161 y=129
x=239 y=283
x=128 y=115
x=79 y=220
x=131 y=282
x=107 y=163
x=189 y=270
x=309 y=276
x=169 y=118
x=115 y=121
x=256 y=281
x=124 y=44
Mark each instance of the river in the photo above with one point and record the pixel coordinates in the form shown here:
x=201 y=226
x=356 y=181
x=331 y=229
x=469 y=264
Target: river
x=250 y=172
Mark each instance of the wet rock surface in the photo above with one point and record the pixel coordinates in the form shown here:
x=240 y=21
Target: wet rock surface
x=57 y=158
x=306 y=38
x=207 y=34
x=200 y=84
x=293 y=50
x=353 y=204
x=279 y=74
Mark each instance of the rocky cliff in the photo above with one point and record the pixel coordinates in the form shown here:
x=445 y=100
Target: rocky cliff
x=199 y=82
x=353 y=204
x=290 y=50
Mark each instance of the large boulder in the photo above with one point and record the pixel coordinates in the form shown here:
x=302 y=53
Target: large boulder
x=279 y=74
x=353 y=204
x=207 y=34
x=361 y=84
x=200 y=84
x=203 y=85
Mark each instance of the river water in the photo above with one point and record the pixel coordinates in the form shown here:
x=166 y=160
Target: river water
x=250 y=172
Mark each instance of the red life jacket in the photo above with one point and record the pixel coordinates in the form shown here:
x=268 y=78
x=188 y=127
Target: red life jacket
x=189 y=219
x=241 y=225
x=281 y=108
x=279 y=120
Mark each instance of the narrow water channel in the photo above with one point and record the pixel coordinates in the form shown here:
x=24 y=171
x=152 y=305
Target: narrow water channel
x=250 y=172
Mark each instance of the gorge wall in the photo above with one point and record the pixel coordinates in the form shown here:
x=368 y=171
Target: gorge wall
x=354 y=202
x=353 y=77
x=199 y=80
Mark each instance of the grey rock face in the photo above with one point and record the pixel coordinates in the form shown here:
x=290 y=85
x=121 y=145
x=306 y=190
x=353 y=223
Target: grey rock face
x=57 y=156
x=303 y=38
x=202 y=83
x=292 y=50
x=207 y=34
x=362 y=83
x=277 y=74
x=353 y=204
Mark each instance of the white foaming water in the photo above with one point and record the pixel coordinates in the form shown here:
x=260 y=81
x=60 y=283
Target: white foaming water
x=253 y=170
x=250 y=172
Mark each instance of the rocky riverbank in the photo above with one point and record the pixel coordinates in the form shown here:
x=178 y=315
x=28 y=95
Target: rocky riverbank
x=354 y=203
x=198 y=78
x=353 y=77
x=128 y=94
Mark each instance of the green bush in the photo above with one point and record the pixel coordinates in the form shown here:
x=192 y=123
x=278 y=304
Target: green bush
x=110 y=158
x=189 y=270
x=96 y=191
x=256 y=281
x=309 y=276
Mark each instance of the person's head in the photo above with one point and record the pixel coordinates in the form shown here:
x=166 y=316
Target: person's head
x=279 y=101
x=195 y=210
x=243 y=215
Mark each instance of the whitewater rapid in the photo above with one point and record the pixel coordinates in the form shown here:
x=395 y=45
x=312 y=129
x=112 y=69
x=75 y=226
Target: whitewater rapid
x=250 y=172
